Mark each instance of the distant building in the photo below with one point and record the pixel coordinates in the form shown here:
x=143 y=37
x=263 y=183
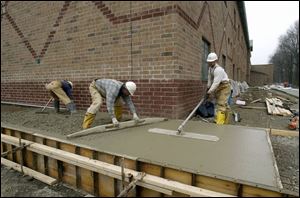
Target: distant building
x=261 y=74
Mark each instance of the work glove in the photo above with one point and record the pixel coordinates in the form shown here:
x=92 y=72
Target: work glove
x=115 y=122
x=136 y=118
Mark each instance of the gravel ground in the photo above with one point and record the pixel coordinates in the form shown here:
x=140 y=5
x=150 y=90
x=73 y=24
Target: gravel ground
x=286 y=149
x=14 y=184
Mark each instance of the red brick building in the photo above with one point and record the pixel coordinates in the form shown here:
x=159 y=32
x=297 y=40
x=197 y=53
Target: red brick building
x=162 y=46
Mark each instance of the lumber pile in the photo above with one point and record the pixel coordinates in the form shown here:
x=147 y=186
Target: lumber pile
x=275 y=107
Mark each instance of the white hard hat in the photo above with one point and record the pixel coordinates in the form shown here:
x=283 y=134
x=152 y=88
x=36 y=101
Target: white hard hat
x=212 y=57
x=131 y=87
x=70 y=83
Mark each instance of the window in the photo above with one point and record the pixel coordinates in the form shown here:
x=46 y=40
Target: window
x=238 y=74
x=205 y=52
x=234 y=19
x=224 y=61
x=238 y=32
x=233 y=72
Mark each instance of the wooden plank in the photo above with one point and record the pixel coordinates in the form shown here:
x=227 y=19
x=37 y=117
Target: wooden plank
x=39 y=176
x=281 y=98
x=254 y=101
x=40 y=158
x=3 y=145
x=217 y=185
x=19 y=152
x=179 y=176
x=283 y=132
x=184 y=134
x=253 y=107
x=87 y=181
x=113 y=170
x=130 y=164
x=8 y=146
x=249 y=191
x=29 y=158
x=52 y=163
x=69 y=174
x=152 y=170
x=106 y=184
x=268 y=106
x=109 y=127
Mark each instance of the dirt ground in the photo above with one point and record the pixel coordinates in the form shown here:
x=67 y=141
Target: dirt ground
x=286 y=149
x=14 y=184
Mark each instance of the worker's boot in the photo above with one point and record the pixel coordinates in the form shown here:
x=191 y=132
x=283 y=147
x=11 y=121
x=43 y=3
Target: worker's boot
x=71 y=107
x=56 y=105
x=228 y=115
x=220 y=117
x=118 y=112
x=88 y=120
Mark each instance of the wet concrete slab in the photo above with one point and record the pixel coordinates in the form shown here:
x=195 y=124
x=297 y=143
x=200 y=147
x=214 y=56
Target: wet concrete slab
x=242 y=154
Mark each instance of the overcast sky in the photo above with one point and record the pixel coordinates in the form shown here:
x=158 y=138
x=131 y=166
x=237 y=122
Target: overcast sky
x=267 y=21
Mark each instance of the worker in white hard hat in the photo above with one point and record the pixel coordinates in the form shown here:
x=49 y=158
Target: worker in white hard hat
x=219 y=85
x=114 y=92
x=62 y=90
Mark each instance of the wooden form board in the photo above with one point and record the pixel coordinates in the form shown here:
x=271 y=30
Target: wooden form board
x=106 y=184
x=69 y=174
x=110 y=127
x=37 y=175
x=274 y=107
x=111 y=170
x=86 y=176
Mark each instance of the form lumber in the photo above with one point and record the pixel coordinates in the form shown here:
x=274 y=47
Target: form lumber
x=113 y=170
x=283 y=132
x=252 y=107
x=37 y=175
x=254 y=101
x=109 y=127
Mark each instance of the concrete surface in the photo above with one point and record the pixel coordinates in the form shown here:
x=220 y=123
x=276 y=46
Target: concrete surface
x=233 y=157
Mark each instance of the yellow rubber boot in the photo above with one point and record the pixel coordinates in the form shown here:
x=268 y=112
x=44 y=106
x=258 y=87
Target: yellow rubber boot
x=220 y=118
x=88 y=120
x=118 y=111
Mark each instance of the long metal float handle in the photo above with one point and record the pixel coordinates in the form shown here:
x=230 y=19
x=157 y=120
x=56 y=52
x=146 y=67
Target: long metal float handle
x=179 y=130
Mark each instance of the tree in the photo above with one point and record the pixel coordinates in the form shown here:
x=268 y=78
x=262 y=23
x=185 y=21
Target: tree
x=286 y=57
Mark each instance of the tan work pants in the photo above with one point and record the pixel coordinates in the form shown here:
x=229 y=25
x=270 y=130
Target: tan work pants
x=222 y=93
x=97 y=99
x=57 y=92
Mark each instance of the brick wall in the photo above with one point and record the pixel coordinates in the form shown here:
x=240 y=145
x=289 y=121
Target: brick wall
x=155 y=44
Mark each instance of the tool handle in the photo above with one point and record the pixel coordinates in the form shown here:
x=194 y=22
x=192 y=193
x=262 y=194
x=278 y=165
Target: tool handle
x=191 y=114
x=47 y=104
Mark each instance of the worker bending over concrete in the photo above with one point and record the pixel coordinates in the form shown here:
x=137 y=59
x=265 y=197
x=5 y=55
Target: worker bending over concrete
x=62 y=90
x=113 y=91
x=219 y=85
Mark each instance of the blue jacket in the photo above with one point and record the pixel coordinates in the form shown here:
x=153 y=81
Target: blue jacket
x=67 y=88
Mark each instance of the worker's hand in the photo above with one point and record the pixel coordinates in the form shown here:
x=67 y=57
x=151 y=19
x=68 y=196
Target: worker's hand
x=136 y=118
x=115 y=122
x=209 y=96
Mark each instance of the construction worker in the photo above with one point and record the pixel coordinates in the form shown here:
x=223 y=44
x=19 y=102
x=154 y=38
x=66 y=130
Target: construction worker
x=62 y=90
x=112 y=91
x=219 y=85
